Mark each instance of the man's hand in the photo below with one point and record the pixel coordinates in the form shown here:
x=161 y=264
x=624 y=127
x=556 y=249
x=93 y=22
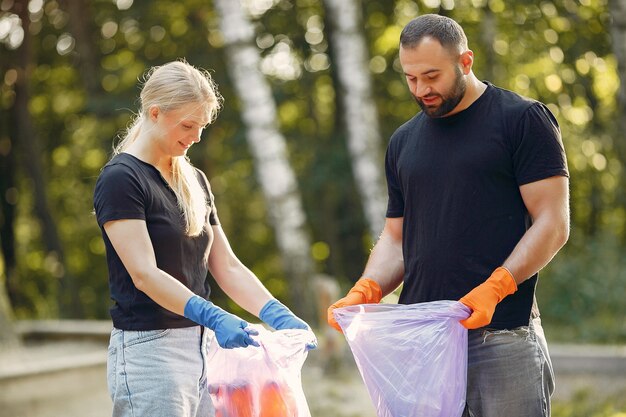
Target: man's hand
x=484 y=298
x=365 y=291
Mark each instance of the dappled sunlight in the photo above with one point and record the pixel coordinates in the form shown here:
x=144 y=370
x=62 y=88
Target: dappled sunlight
x=11 y=31
x=282 y=63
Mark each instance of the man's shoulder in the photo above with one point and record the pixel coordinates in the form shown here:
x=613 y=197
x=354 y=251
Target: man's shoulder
x=511 y=101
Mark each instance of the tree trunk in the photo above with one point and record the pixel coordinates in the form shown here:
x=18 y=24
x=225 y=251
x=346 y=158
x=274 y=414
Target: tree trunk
x=269 y=149
x=487 y=36
x=618 y=32
x=8 y=201
x=81 y=26
x=30 y=152
x=8 y=196
x=8 y=336
x=363 y=135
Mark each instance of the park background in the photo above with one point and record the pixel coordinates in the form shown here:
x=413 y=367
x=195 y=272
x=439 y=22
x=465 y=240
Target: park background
x=313 y=90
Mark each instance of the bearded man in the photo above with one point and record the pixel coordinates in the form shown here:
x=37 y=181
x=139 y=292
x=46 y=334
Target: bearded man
x=478 y=204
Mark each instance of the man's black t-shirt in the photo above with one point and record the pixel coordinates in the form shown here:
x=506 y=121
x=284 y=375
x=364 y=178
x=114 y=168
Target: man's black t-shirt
x=456 y=180
x=129 y=188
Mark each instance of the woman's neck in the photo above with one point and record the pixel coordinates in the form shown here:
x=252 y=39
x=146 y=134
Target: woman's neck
x=145 y=149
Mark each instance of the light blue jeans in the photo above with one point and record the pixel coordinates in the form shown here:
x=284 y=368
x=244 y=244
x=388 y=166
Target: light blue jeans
x=509 y=373
x=159 y=373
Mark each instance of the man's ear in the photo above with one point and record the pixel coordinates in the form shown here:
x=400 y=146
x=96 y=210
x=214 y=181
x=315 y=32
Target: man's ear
x=467 y=61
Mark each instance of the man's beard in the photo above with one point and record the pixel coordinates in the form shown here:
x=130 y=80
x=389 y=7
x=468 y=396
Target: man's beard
x=448 y=101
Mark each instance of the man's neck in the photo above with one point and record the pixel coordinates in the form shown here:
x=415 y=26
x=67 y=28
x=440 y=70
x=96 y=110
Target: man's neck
x=473 y=90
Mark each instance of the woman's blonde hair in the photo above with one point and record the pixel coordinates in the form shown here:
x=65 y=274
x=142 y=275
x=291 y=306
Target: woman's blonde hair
x=170 y=87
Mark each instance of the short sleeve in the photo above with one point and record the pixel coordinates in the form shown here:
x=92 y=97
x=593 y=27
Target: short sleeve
x=213 y=219
x=118 y=195
x=540 y=153
x=395 y=202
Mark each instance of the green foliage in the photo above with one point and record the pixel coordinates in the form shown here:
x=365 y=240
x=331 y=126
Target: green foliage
x=580 y=294
x=583 y=404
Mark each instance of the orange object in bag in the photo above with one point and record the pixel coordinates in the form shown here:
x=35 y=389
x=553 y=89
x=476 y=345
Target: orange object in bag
x=239 y=402
x=277 y=401
x=260 y=381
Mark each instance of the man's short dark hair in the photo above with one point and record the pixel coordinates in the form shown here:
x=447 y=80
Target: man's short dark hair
x=445 y=30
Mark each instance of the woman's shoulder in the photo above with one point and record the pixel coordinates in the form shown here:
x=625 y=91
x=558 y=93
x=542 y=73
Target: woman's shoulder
x=202 y=178
x=122 y=167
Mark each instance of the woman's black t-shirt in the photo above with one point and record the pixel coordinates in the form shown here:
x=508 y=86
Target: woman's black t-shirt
x=129 y=188
x=456 y=180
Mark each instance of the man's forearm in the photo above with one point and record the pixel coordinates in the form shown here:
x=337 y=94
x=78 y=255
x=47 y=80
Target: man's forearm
x=386 y=263
x=547 y=202
x=536 y=248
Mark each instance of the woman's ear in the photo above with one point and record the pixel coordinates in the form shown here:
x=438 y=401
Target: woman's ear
x=153 y=112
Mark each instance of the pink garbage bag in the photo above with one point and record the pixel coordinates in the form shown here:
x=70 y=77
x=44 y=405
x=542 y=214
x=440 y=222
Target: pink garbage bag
x=412 y=358
x=260 y=381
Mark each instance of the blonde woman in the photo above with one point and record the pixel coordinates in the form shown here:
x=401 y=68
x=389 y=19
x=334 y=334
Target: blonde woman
x=162 y=235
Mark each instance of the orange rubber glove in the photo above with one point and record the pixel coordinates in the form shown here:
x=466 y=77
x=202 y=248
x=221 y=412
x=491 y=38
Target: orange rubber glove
x=484 y=298
x=365 y=291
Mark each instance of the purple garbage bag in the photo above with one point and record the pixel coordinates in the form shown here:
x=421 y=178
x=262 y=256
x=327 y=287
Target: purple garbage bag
x=412 y=358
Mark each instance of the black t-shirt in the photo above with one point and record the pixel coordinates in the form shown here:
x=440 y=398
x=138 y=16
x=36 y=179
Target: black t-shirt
x=456 y=180
x=129 y=188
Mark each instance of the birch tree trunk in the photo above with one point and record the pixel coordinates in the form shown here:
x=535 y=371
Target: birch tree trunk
x=269 y=149
x=363 y=135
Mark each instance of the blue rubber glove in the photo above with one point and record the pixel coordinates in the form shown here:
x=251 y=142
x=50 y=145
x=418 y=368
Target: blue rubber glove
x=230 y=330
x=280 y=317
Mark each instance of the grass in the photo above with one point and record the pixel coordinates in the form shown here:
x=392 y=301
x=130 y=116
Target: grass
x=584 y=404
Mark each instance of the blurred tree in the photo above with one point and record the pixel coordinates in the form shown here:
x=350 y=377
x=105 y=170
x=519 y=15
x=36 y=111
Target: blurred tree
x=30 y=155
x=270 y=151
x=81 y=26
x=8 y=200
x=294 y=38
x=618 y=32
x=8 y=196
x=361 y=119
x=488 y=34
x=8 y=336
